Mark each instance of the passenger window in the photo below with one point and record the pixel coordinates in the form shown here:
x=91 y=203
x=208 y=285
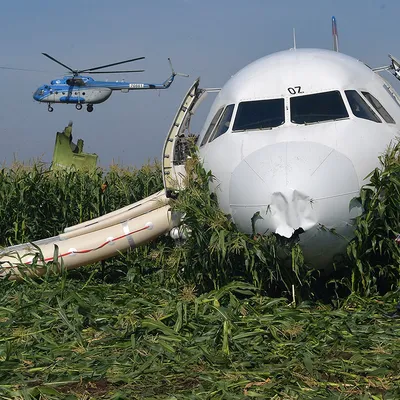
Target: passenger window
x=211 y=127
x=223 y=123
x=260 y=114
x=317 y=108
x=379 y=107
x=360 y=107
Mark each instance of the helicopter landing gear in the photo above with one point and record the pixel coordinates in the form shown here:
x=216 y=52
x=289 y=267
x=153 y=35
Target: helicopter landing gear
x=50 y=108
x=89 y=108
x=78 y=106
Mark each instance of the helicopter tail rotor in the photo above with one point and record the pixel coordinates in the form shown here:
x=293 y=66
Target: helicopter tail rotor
x=176 y=73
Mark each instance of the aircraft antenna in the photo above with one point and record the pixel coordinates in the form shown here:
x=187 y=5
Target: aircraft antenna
x=294 y=39
x=335 y=35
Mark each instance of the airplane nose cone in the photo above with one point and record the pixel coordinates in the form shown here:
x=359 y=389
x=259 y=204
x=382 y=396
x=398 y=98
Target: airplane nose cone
x=287 y=186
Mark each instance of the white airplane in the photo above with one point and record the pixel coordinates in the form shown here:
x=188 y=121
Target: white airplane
x=290 y=140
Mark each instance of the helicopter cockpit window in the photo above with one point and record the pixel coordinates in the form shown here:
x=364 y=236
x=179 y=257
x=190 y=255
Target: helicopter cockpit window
x=360 y=107
x=39 y=92
x=379 y=107
x=212 y=126
x=223 y=123
x=317 y=107
x=259 y=114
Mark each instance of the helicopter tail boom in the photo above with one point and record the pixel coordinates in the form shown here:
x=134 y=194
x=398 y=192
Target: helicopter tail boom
x=126 y=86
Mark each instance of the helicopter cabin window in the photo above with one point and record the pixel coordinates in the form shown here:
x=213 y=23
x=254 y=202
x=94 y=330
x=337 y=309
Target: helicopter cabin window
x=223 y=123
x=360 y=107
x=212 y=126
x=379 y=107
x=317 y=107
x=259 y=114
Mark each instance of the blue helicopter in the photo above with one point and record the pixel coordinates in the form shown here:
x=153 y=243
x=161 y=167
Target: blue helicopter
x=78 y=89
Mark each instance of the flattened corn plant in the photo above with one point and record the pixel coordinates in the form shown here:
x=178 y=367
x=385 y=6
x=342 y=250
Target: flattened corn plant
x=77 y=337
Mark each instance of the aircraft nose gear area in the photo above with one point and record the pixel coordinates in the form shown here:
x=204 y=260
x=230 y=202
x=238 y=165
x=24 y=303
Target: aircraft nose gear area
x=50 y=108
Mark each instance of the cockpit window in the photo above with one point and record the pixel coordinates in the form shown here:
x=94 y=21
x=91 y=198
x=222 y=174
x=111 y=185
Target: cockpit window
x=379 y=107
x=260 y=114
x=211 y=127
x=360 y=107
x=317 y=107
x=223 y=123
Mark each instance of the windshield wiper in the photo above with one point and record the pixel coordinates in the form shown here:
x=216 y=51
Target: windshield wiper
x=324 y=120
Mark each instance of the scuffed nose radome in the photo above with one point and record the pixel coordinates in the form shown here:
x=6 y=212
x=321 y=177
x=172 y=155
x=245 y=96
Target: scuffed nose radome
x=294 y=187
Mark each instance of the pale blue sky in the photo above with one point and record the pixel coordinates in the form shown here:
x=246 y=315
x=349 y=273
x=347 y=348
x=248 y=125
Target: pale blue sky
x=210 y=39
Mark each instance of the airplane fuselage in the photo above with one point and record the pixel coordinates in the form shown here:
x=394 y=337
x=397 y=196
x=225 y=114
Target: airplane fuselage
x=291 y=139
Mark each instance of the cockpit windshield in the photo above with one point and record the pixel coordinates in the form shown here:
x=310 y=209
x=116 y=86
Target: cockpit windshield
x=379 y=107
x=223 y=123
x=360 y=107
x=317 y=107
x=211 y=126
x=39 y=92
x=259 y=114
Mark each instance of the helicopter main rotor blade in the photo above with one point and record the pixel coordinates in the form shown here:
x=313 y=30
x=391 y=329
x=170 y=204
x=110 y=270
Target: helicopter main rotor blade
x=23 y=69
x=59 y=62
x=116 y=72
x=111 y=65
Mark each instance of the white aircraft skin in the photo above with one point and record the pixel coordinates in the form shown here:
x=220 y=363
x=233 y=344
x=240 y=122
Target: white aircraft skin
x=295 y=175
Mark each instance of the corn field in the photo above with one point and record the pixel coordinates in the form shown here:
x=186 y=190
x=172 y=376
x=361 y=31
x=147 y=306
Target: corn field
x=36 y=202
x=221 y=315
